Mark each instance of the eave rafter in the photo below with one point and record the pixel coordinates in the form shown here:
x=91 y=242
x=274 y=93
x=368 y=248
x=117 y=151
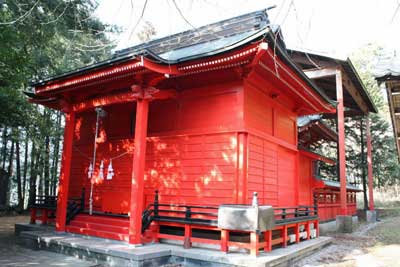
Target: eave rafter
x=331 y=71
x=295 y=84
x=145 y=65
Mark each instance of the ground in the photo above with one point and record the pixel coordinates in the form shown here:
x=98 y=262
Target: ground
x=14 y=255
x=372 y=245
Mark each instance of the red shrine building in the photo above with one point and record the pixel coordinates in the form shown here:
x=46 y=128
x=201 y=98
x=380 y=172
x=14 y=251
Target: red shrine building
x=160 y=135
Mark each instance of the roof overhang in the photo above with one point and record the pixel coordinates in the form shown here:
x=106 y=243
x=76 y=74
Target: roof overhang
x=259 y=54
x=357 y=101
x=316 y=156
x=334 y=185
x=256 y=50
x=392 y=86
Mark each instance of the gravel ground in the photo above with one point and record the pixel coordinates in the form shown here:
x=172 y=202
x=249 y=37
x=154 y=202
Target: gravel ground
x=13 y=255
x=372 y=245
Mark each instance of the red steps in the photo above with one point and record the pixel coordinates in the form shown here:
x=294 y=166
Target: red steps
x=100 y=226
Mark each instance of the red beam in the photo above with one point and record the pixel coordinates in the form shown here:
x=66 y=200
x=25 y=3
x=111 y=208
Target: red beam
x=139 y=158
x=118 y=98
x=369 y=162
x=159 y=68
x=341 y=143
x=65 y=172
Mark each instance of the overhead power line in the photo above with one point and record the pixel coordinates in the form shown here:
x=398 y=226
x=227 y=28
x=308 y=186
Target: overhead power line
x=139 y=20
x=181 y=14
x=26 y=14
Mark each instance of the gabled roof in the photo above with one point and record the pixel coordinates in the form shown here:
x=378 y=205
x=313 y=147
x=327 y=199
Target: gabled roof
x=335 y=184
x=387 y=68
x=247 y=41
x=204 y=41
x=309 y=60
x=311 y=130
x=387 y=71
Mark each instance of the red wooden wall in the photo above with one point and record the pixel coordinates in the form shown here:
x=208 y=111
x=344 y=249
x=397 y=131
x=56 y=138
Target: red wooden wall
x=305 y=180
x=211 y=145
x=191 y=152
x=272 y=146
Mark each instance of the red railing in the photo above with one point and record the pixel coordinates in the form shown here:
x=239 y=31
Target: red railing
x=185 y=222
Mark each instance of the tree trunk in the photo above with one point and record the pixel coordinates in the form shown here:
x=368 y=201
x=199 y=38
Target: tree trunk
x=32 y=179
x=25 y=166
x=4 y=148
x=10 y=172
x=56 y=156
x=46 y=166
x=39 y=172
x=18 y=174
x=363 y=175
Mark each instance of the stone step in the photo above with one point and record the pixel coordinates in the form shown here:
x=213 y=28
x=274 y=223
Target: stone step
x=113 y=221
x=100 y=227
x=97 y=233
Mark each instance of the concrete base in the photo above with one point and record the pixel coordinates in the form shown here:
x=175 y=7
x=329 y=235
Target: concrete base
x=371 y=216
x=344 y=224
x=116 y=253
x=332 y=227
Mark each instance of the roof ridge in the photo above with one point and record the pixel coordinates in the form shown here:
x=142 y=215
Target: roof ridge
x=260 y=15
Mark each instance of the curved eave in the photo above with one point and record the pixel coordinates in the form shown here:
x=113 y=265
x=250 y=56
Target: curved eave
x=336 y=185
x=316 y=156
x=286 y=58
x=324 y=184
x=348 y=66
x=147 y=54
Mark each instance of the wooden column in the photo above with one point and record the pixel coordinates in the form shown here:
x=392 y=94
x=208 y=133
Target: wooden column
x=139 y=158
x=63 y=184
x=364 y=178
x=241 y=168
x=369 y=162
x=341 y=142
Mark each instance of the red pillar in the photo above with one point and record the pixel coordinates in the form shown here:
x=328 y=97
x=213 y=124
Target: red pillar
x=369 y=162
x=341 y=143
x=63 y=184
x=241 y=169
x=139 y=157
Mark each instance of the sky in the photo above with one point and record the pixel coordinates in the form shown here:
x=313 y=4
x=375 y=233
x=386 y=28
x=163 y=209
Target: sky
x=335 y=28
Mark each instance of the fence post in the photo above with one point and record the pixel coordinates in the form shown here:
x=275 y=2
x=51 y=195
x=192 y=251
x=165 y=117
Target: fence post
x=284 y=236
x=224 y=240
x=82 y=199
x=188 y=213
x=156 y=203
x=268 y=240
x=254 y=243
x=315 y=204
x=33 y=216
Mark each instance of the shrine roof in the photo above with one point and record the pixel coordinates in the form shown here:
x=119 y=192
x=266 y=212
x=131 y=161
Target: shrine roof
x=201 y=42
x=387 y=71
x=225 y=44
x=387 y=68
x=311 y=130
x=311 y=60
x=335 y=184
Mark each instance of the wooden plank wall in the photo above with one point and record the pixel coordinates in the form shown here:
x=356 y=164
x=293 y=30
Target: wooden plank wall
x=191 y=153
x=272 y=148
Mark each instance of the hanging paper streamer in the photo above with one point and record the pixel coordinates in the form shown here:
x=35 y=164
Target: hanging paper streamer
x=101 y=172
x=90 y=171
x=110 y=171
